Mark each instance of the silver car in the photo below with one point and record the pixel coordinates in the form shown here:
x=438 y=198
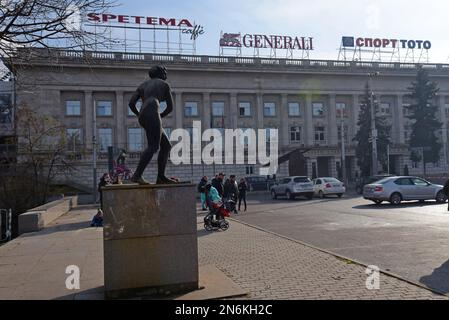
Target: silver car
x=292 y=187
x=398 y=189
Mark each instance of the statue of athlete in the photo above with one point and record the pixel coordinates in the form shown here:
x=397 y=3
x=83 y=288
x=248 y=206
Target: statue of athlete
x=152 y=92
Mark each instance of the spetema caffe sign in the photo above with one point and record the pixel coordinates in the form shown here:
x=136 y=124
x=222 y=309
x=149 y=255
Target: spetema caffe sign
x=259 y=41
x=185 y=25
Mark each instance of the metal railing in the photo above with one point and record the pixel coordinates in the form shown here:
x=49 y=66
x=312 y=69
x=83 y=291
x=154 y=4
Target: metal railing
x=5 y=225
x=228 y=60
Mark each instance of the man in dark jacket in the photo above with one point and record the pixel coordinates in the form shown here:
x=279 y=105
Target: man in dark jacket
x=217 y=183
x=243 y=187
x=202 y=191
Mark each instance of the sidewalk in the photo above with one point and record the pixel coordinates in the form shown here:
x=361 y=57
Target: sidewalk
x=265 y=265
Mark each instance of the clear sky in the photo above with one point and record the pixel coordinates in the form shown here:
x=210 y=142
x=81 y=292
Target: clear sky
x=324 y=20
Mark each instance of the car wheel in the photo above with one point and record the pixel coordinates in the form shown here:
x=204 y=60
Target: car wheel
x=396 y=199
x=378 y=202
x=441 y=197
x=273 y=195
x=340 y=195
x=289 y=195
x=321 y=194
x=310 y=196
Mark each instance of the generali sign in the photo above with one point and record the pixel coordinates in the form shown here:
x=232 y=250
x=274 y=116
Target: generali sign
x=185 y=25
x=260 y=41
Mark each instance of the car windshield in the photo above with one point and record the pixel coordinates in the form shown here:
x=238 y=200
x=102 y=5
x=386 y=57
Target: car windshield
x=301 y=180
x=331 y=180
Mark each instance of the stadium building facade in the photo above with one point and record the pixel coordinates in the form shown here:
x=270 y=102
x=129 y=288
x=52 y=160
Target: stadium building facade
x=306 y=100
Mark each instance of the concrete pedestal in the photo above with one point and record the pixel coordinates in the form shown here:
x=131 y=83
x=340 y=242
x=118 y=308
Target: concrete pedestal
x=150 y=240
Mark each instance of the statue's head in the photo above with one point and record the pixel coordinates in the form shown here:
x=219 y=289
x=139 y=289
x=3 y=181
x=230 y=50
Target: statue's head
x=159 y=72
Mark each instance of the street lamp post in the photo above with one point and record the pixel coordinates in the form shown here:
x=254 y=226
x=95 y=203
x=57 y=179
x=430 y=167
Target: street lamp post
x=343 y=148
x=94 y=152
x=373 y=126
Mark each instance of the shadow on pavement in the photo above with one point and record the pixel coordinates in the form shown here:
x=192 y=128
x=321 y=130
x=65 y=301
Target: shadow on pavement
x=59 y=228
x=439 y=279
x=401 y=206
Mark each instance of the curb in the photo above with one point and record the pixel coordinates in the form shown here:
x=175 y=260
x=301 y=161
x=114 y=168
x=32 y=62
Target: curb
x=341 y=257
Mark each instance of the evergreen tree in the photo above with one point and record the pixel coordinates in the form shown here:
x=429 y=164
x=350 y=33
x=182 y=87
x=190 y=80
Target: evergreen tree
x=364 y=145
x=423 y=113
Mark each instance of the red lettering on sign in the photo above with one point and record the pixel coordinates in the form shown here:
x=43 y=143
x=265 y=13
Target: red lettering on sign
x=186 y=23
x=394 y=43
x=385 y=43
x=137 y=19
x=93 y=17
x=169 y=22
x=107 y=17
x=152 y=20
x=123 y=19
x=359 y=42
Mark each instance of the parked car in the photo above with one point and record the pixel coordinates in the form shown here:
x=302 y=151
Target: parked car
x=328 y=186
x=257 y=183
x=398 y=189
x=363 y=181
x=292 y=187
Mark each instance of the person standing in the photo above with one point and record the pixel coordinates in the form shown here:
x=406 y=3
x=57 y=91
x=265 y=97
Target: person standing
x=231 y=191
x=202 y=191
x=217 y=183
x=243 y=187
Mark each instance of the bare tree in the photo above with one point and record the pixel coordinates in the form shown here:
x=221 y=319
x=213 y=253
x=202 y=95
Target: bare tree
x=47 y=23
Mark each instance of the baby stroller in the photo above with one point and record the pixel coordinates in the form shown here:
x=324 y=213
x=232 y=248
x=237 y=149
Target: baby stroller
x=216 y=218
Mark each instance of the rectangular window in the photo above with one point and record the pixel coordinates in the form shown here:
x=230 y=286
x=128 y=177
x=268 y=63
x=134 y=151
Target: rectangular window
x=345 y=133
x=320 y=134
x=191 y=109
x=405 y=109
x=341 y=110
x=218 y=109
x=138 y=106
x=294 y=109
x=385 y=108
x=269 y=109
x=295 y=134
x=73 y=108
x=74 y=139
x=104 y=108
x=105 y=139
x=318 y=109
x=135 y=139
x=245 y=109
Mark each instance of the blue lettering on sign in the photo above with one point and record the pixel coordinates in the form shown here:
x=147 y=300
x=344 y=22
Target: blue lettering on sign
x=348 y=42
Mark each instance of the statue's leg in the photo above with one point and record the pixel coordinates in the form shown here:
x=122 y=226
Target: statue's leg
x=153 y=133
x=164 y=153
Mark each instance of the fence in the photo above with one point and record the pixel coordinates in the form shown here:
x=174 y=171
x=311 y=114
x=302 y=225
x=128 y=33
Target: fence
x=5 y=225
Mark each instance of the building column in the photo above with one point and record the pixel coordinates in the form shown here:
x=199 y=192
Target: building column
x=332 y=121
x=260 y=116
x=441 y=104
x=88 y=110
x=120 y=121
x=233 y=108
x=399 y=122
x=309 y=121
x=179 y=110
x=207 y=120
x=354 y=117
x=284 y=134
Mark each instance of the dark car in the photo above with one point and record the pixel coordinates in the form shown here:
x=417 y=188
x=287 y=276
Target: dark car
x=257 y=183
x=363 y=181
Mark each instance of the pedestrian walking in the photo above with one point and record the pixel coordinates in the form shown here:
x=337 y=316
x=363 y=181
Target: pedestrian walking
x=231 y=191
x=243 y=187
x=202 y=191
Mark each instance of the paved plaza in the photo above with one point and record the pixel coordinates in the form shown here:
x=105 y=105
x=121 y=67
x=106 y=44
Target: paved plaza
x=264 y=264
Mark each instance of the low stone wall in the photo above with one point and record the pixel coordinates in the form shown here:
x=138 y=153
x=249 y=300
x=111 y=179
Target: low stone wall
x=38 y=218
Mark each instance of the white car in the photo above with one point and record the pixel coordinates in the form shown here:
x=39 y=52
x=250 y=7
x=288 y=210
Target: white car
x=328 y=186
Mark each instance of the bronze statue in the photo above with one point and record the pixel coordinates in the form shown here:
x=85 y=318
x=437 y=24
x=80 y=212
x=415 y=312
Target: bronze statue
x=152 y=92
